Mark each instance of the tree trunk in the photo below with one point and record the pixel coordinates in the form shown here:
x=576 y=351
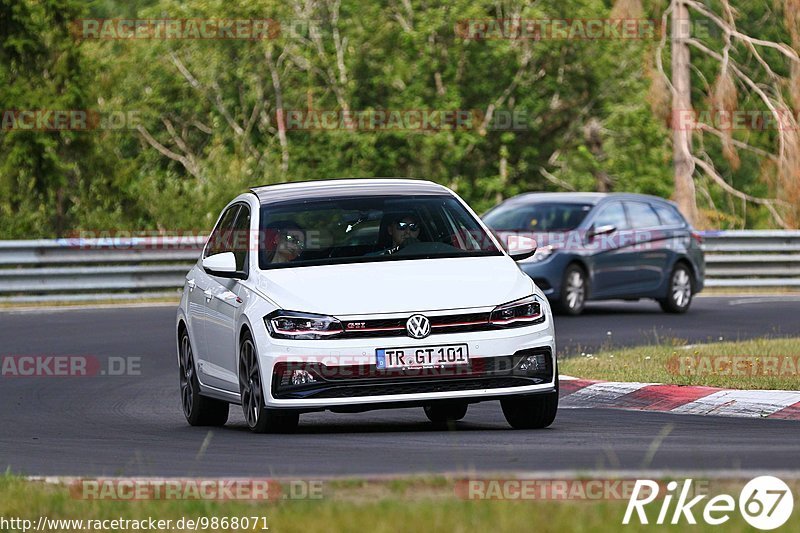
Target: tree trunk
x=684 y=194
x=592 y=134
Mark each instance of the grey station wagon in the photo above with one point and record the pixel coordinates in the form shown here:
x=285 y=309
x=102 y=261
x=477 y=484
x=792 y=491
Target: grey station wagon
x=597 y=246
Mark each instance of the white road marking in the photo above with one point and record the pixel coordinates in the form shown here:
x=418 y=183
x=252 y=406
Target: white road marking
x=740 y=403
x=602 y=394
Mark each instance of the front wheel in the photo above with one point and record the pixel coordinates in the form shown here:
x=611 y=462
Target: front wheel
x=259 y=418
x=574 y=290
x=198 y=410
x=535 y=411
x=679 y=291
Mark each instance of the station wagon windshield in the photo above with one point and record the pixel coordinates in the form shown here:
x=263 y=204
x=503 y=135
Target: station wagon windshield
x=362 y=229
x=537 y=217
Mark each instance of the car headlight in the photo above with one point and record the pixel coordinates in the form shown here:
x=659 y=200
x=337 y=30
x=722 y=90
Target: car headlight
x=518 y=313
x=540 y=254
x=302 y=326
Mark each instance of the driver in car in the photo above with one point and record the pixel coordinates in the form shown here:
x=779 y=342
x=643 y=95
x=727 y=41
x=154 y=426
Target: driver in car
x=287 y=241
x=403 y=231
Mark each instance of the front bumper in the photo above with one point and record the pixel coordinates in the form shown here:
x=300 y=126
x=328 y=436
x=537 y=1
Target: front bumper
x=346 y=374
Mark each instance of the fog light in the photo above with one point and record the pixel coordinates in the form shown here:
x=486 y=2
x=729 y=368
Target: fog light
x=301 y=377
x=533 y=364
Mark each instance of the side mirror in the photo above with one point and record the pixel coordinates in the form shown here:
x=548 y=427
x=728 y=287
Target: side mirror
x=222 y=265
x=520 y=247
x=600 y=230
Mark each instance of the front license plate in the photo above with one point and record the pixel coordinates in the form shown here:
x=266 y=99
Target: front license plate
x=422 y=356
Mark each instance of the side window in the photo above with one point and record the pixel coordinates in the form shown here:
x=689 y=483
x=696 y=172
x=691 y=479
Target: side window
x=668 y=215
x=220 y=240
x=642 y=215
x=240 y=239
x=612 y=215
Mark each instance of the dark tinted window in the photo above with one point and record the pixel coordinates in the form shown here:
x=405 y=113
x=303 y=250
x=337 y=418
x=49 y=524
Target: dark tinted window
x=537 y=217
x=668 y=215
x=359 y=229
x=240 y=239
x=612 y=215
x=220 y=240
x=642 y=215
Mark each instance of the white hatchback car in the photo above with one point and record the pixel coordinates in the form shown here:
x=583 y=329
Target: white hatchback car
x=351 y=295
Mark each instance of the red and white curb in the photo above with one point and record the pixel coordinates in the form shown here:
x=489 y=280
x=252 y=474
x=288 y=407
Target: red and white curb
x=682 y=399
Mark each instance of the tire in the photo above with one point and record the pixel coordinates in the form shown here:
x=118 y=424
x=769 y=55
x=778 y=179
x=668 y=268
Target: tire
x=680 y=290
x=441 y=413
x=259 y=418
x=198 y=410
x=574 y=291
x=531 y=412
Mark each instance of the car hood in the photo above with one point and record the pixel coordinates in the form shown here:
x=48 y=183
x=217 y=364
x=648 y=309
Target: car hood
x=397 y=286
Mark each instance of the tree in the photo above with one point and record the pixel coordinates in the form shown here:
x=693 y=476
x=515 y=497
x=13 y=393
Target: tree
x=760 y=73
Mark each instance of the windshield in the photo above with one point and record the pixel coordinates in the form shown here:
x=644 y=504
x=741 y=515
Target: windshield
x=359 y=229
x=537 y=217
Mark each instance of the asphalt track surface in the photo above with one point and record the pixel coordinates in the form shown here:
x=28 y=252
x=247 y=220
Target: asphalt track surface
x=133 y=425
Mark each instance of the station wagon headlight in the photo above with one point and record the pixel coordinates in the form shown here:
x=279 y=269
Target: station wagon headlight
x=522 y=312
x=302 y=326
x=540 y=254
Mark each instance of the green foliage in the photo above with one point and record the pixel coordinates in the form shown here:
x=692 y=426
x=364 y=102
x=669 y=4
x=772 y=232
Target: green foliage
x=206 y=110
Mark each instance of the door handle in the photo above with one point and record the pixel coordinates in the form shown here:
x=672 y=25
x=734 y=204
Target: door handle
x=229 y=298
x=191 y=283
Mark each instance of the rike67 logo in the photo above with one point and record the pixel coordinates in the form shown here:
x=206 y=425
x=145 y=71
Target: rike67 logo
x=765 y=503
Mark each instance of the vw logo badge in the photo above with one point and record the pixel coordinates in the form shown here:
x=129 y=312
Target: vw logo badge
x=418 y=327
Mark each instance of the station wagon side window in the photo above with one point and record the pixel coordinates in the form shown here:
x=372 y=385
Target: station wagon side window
x=612 y=214
x=668 y=215
x=642 y=215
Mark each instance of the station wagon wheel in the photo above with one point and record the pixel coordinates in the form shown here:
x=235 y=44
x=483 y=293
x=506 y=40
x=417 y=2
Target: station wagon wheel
x=259 y=418
x=198 y=410
x=680 y=290
x=574 y=290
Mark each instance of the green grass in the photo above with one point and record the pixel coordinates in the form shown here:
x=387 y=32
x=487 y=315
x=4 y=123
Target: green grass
x=412 y=504
x=753 y=364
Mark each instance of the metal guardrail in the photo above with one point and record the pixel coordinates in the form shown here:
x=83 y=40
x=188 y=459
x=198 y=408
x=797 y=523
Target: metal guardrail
x=95 y=269
x=752 y=258
x=112 y=269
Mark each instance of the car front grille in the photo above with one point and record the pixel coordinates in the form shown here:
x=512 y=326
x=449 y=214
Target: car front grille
x=368 y=380
x=396 y=327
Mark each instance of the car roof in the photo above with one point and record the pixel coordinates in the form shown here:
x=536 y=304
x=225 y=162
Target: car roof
x=592 y=198
x=349 y=187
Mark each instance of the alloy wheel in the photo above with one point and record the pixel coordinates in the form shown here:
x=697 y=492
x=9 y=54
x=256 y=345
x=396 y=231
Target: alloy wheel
x=250 y=383
x=576 y=289
x=681 y=287
x=186 y=375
